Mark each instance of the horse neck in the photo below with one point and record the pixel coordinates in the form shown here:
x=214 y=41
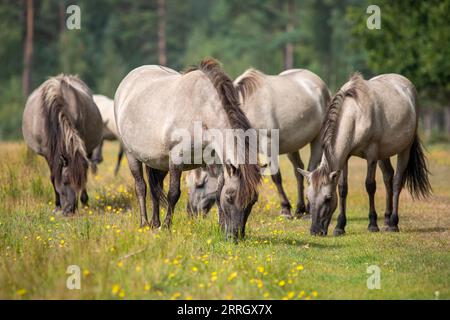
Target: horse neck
x=343 y=142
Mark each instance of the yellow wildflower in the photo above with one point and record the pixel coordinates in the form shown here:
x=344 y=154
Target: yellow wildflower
x=232 y=276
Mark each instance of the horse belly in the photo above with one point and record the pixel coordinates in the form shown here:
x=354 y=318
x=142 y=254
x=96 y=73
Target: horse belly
x=298 y=130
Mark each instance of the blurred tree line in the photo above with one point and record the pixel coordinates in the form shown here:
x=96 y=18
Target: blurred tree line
x=328 y=37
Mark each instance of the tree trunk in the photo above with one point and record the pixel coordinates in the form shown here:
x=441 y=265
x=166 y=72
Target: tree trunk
x=62 y=16
x=289 y=48
x=162 y=57
x=28 y=50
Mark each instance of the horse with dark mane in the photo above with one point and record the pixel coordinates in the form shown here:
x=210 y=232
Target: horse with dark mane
x=152 y=104
x=374 y=120
x=62 y=123
x=293 y=99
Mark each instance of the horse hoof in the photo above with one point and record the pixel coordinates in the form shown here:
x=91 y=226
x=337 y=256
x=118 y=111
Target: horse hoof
x=300 y=211
x=373 y=229
x=338 y=232
x=155 y=225
x=286 y=213
x=306 y=216
x=392 y=229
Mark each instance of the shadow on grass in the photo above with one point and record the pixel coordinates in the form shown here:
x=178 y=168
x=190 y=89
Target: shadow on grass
x=294 y=242
x=427 y=230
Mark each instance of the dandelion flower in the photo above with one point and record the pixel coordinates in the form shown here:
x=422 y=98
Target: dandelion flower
x=176 y=295
x=282 y=283
x=147 y=287
x=21 y=292
x=261 y=269
x=232 y=276
x=115 y=289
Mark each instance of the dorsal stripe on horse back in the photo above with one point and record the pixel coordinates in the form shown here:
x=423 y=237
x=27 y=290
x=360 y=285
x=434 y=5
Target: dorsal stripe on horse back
x=63 y=141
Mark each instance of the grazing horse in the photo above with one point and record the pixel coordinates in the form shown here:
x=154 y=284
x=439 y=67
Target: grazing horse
x=202 y=185
x=62 y=123
x=374 y=120
x=294 y=99
x=106 y=107
x=293 y=102
x=151 y=104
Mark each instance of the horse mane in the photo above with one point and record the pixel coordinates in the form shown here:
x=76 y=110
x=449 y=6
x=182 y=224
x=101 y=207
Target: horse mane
x=355 y=88
x=250 y=175
x=64 y=145
x=249 y=82
x=352 y=89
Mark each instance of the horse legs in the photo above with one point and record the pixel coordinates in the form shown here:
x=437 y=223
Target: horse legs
x=140 y=186
x=219 y=208
x=343 y=191
x=119 y=159
x=84 y=197
x=388 y=175
x=156 y=182
x=399 y=179
x=97 y=157
x=297 y=162
x=57 y=199
x=173 y=194
x=371 y=187
x=285 y=205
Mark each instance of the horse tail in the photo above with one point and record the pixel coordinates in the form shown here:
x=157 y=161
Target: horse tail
x=64 y=145
x=416 y=174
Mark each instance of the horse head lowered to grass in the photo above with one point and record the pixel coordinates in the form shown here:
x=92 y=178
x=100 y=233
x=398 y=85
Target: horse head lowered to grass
x=374 y=120
x=62 y=123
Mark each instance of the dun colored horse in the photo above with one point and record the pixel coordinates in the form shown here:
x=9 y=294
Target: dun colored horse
x=62 y=123
x=293 y=102
x=106 y=107
x=153 y=102
x=374 y=120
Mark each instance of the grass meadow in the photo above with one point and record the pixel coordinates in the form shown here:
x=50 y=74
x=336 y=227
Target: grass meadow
x=278 y=259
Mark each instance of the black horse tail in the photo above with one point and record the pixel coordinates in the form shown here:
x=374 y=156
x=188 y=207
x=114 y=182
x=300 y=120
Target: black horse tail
x=416 y=174
x=156 y=182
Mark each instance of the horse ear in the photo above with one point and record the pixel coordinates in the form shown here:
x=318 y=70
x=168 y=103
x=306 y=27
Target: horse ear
x=305 y=174
x=334 y=175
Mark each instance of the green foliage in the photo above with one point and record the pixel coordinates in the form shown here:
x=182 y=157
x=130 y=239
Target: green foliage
x=329 y=37
x=413 y=41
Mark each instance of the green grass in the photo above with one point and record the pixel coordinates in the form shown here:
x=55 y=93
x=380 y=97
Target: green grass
x=278 y=259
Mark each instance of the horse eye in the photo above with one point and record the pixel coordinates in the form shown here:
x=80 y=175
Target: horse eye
x=328 y=197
